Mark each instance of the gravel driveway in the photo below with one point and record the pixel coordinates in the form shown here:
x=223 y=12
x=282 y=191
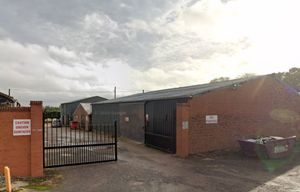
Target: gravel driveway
x=144 y=169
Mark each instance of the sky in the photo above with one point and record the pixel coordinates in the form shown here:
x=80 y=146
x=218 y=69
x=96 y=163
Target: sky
x=58 y=51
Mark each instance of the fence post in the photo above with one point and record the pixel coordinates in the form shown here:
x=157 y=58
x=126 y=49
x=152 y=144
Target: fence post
x=36 y=153
x=44 y=121
x=116 y=141
x=7 y=179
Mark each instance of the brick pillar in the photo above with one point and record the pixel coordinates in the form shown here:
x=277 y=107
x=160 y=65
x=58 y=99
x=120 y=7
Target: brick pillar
x=36 y=138
x=182 y=129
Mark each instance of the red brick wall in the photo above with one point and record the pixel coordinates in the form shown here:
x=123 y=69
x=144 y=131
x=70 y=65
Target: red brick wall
x=78 y=115
x=182 y=131
x=23 y=154
x=259 y=107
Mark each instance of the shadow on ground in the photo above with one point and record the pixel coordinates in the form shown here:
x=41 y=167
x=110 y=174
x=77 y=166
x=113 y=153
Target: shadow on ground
x=144 y=169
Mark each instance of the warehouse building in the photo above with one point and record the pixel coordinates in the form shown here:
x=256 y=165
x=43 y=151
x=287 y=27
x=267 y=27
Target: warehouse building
x=193 y=119
x=67 y=109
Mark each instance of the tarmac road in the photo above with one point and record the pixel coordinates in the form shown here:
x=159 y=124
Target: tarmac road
x=140 y=168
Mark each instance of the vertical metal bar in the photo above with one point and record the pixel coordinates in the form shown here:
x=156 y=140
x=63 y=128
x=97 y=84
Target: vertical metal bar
x=96 y=155
x=103 y=140
x=70 y=143
x=100 y=130
x=76 y=133
x=44 y=140
x=79 y=148
x=82 y=148
x=51 y=143
x=88 y=139
x=70 y=135
x=85 y=148
x=82 y=143
x=74 y=143
x=56 y=137
x=57 y=151
x=112 y=140
x=97 y=134
x=100 y=141
x=50 y=156
x=84 y=135
x=51 y=133
x=93 y=133
x=88 y=148
x=106 y=134
x=61 y=140
x=66 y=132
x=107 y=141
x=65 y=143
x=116 y=141
x=60 y=151
x=96 y=148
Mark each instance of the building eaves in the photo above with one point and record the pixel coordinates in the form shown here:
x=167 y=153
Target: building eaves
x=176 y=93
x=80 y=100
x=87 y=107
x=11 y=99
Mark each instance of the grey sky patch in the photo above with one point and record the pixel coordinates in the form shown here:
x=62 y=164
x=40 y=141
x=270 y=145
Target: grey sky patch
x=87 y=26
x=78 y=47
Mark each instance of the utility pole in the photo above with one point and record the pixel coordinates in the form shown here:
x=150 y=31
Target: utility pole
x=115 y=92
x=8 y=92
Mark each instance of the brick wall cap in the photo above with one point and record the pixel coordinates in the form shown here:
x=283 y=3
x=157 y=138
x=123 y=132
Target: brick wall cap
x=14 y=109
x=36 y=102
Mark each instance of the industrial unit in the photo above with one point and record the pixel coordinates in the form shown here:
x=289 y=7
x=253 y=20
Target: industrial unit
x=199 y=118
x=67 y=109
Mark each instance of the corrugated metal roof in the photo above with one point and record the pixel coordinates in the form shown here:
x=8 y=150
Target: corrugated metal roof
x=5 y=98
x=84 y=99
x=87 y=107
x=175 y=93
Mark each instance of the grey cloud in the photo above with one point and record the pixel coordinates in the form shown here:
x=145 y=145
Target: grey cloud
x=32 y=73
x=178 y=48
x=77 y=40
x=64 y=23
x=73 y=24
x=60 y=23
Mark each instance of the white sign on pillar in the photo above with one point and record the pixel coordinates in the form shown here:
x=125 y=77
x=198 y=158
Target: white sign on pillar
x=185 y=124
x=21 y=127
x=211 y=119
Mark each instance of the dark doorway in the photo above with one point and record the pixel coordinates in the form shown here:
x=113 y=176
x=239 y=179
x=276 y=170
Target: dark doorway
x=160 y=131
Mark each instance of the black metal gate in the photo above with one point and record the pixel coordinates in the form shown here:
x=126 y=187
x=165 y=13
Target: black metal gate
x=160 y=129
x=73 y=145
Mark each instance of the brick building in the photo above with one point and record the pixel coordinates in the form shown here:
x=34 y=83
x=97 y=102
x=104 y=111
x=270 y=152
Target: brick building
x=67 y=109
x=193 y=119
x=83 y=115
x=6 y=100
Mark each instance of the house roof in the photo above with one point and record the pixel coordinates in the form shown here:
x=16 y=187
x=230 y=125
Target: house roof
x=176 y=93
x=87 y=107
x=5 y=98
x=85 y=100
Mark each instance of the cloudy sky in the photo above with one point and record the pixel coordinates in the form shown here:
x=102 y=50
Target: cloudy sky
x=58 y=51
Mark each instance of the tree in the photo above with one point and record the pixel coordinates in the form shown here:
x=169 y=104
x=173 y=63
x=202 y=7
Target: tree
x=292 y=77
x=219 y=79
x=247 y=75
x=51 y=112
